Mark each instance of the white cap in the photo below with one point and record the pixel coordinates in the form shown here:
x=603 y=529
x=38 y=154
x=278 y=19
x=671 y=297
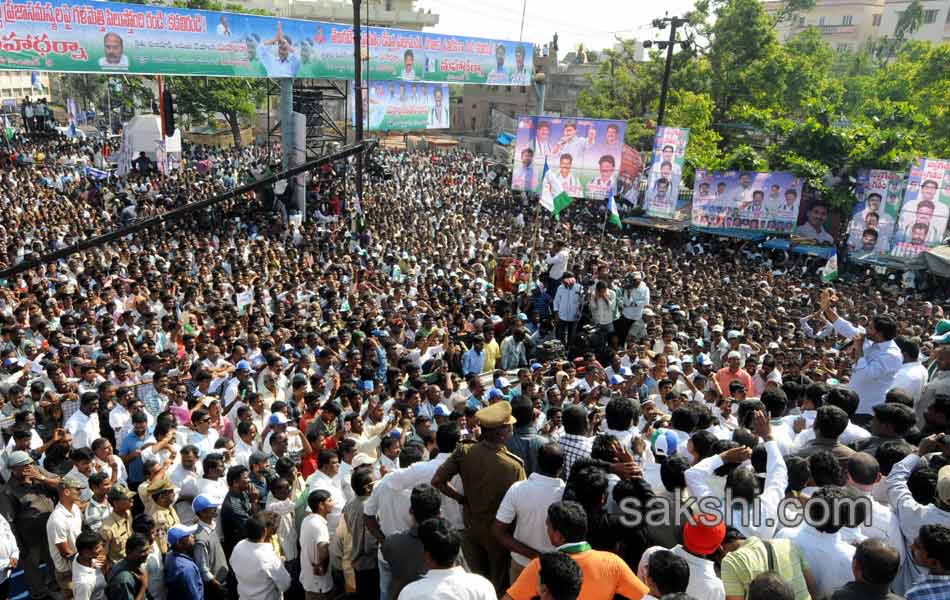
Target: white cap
x=733 y=354
x=717 y=328
x=732 y=334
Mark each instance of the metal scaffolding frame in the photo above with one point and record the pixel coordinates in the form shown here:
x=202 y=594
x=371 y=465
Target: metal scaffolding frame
x=314 y=99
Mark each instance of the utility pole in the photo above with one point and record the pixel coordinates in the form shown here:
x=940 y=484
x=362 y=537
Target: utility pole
x=668 y=45
x=358 y=101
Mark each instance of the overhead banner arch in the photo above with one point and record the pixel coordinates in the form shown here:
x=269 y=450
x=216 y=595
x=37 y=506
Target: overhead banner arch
x=111 y=37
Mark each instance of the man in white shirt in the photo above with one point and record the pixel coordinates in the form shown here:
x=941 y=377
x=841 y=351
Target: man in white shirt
x=315 y=576
x=525 y=505
x=64 y=524
x=744 y=488
x=387 y=510
x=441 y=544
x=259 y=571
x=912 y=376
x=826 y=553
x=557 y=262
x=325 y=478
x=877 y=357
x=404 y=480
x=567 y=306
x=84 y=423
x=702 y=540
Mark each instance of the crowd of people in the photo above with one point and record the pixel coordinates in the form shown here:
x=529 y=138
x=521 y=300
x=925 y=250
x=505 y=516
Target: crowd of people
x=448 y=396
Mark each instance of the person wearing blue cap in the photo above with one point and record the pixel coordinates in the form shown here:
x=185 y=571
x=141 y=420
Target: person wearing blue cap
x=209 y=553
x=182 y=577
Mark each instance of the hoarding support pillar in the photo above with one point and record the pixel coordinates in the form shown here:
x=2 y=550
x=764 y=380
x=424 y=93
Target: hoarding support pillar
x=287 y=154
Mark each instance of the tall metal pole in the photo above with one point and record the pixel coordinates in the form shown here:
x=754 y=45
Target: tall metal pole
x=358 y=70
x=524 y=9
x=666 y=71
x=358 y=101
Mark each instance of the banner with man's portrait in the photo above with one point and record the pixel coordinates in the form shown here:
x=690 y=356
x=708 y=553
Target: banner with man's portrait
x=585 y=154
x=922 y=223
x=878 y=194
x=402 y=106
x=666 y=172
x=747 y=201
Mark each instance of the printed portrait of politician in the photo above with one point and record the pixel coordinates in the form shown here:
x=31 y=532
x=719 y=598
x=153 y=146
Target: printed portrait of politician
x=659 y=197
x=439 y=113
x=576 y=146
x=917 y=242
x=525 y=177
x=705 y=193
x=923 y=213
x=814 y=226
x=542 y=146
x=569 y=182
x=927 y=196
x=498 y=75
x=114 y=57
x=667 y=155
x=520 y=75
x=600 y=185
x=278 y=55
x=860 y=225
x=408 y=66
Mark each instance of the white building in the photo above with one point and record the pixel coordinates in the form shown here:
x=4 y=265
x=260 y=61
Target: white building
x=16 y=85
x=848 y=24
x=936 y=23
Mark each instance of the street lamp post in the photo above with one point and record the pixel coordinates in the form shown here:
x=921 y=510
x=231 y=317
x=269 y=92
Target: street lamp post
x=668 y=45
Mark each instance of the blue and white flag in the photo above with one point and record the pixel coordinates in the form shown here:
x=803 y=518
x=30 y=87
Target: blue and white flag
x=35 y=80
x=96 y=174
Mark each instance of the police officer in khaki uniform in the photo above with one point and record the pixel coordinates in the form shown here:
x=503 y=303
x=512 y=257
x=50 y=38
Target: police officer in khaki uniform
x=117 y=527
x=488 y=467
x=162 y=493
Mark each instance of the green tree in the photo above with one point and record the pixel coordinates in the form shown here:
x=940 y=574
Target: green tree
x=695 y=111
x=233 y=99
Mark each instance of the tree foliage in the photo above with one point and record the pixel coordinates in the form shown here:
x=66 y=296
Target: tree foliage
x=753 y=103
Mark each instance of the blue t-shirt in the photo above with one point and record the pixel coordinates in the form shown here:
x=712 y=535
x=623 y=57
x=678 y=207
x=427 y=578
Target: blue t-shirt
x=136 y=467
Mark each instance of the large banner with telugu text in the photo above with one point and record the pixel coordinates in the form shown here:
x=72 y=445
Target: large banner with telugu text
x=110 y=37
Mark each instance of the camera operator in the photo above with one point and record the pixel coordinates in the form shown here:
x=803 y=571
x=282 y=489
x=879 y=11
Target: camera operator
x=634 y=297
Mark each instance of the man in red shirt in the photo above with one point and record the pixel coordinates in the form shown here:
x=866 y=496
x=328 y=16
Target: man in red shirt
x=732 y=372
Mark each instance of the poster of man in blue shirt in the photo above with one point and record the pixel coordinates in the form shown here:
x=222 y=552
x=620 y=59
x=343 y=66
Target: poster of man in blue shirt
x=278 y=55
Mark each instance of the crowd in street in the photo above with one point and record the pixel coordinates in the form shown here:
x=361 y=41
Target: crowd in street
x=444 y=393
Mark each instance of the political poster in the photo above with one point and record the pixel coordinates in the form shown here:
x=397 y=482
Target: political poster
x=739 y=200
x=922 y=223
x=402 y=106
x=878 y=194
x=584 y=154
x=817 y=222
x=631 y=166
x=110 y=37
x=666 y=171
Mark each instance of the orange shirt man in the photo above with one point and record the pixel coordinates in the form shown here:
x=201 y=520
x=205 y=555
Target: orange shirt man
x=605 y=573
x=733 y=372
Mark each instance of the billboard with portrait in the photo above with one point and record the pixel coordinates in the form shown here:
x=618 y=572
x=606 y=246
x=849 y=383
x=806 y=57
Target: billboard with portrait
x=402 y=106
x=666 y=172
x=585 y=154
x=922 y=223
x=747 y=201
x=110 y=37
x=878 y=196
x=631 y=166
